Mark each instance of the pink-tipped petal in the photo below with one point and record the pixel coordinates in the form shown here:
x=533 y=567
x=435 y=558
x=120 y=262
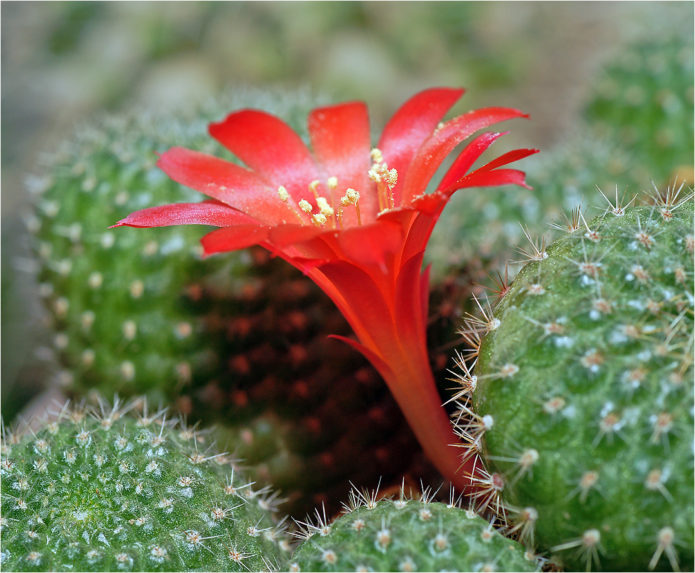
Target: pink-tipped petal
x=233 y=238
x=410 y=126
x=226 y=182
x=341 y=142
x=271 y=148
x=433 y=151
x=204 y=213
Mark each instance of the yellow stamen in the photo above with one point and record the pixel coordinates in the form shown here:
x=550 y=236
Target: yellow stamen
x=376 y=155
x=312 y=187
x=283 y=194
x=324 y=207
x=319 y=219
x=332 y=183
x=305 y=206
x=352 y=197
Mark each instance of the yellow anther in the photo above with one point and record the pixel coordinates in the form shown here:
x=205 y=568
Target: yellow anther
x=305 y=206
x=324 y=207
x=283 y=194
x=332 y=182
x=319 y=219
x=376 y=155
x=374 y=175
x=391 y=177
x=350 y=198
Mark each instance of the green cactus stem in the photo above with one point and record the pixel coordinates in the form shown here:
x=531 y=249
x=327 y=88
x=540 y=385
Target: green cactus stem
x=582 y=393
x=107 y=490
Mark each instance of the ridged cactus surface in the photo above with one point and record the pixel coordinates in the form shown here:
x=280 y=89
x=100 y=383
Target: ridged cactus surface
x=110 y=491
x=408 y=535
x=583 y=391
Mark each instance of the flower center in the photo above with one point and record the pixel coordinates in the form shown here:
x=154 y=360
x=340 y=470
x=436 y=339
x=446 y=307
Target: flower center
x=331 y=211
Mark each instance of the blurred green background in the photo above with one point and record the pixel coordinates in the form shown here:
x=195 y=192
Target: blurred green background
x=63 y=62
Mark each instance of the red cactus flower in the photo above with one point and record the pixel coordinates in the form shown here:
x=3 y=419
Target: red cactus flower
x=354 y=219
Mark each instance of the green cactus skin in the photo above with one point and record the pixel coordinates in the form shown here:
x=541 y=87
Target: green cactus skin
x=110 y=491
x=582 y=392
x=407 y=535
x=644 y=100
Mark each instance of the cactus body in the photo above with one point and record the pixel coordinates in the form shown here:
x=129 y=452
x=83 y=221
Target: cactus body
x=583 y=392
x=409 y=535
x=112 y=492
x=644 y=101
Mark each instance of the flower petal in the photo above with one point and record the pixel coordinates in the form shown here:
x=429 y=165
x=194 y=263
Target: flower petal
x=270 y=147
x=433 y=151
x=233 y=238
x=226 y=182
x=364 y=303
x=382 y=367
x=494 y=178
x=340 y=140
x=467 y=158
x=410 y=126
x=408 y=299
x=372 y=245
x=204 y=213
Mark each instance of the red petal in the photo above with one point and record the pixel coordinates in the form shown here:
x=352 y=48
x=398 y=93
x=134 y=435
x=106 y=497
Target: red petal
x=205 y=213
x=495 y=178
x=287 y=235
x=340 y=140
x=509 y=157
x=362 y=301
x=376 y=361
x=226 y=182
x=467 y=158
x=430 y=156
x=408 y=301
x=374 y=244
x=233 y=238
x=269 y=146
x=410 y=126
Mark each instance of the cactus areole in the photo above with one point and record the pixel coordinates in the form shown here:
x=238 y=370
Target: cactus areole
x=356 y=220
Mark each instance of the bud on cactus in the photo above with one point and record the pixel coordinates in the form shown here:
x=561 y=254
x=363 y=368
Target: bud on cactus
x=407 y=535
x=583 y=391
x=109 y=491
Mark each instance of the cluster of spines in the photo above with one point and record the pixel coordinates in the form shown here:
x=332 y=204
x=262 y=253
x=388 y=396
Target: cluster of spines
x=388 y=532
x=103 y=489
x=666 y=331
